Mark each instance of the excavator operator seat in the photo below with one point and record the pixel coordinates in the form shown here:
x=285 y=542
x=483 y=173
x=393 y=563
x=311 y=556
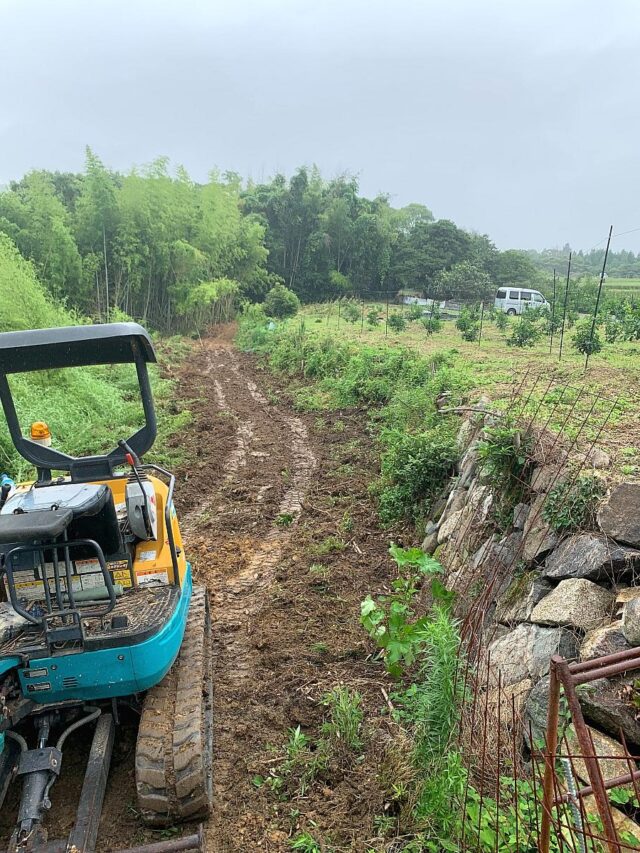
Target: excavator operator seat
x=84 y=510
x=55 y=540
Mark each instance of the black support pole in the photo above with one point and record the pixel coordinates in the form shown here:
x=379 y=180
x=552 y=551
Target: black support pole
x=595 y=313
x=386 y=319
x=564 y=313
x=553 y=311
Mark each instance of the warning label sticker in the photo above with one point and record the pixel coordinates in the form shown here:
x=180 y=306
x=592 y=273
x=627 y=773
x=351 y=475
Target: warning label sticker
x=146 y=556
x=152 y=578
x=87 y=574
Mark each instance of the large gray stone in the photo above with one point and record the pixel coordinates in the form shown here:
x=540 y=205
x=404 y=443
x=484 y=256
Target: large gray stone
x=468 y=467
x=575 y=602
x=505 y=553
x=483 y=552
x=448 y=526
x=430 y=542
x=438 y=507
x=627 y=593
x=465 y=434
x=456 y=501
x=591 y=556
x=604 y=707
x=525 y=652
x=545 y=477
x=522 y=595
x=480 y=500
x=619 y=516
x=612 y=758
x=535 y=712
x=539 y=538
x=520 y=514
x=606 y=640
x=631 y=621
x=598 y=458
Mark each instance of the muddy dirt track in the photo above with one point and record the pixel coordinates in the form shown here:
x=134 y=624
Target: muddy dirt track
x=279 y=525
x=289 y=493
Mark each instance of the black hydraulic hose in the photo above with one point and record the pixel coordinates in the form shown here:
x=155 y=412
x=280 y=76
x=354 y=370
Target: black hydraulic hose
x=95 y=713
x=24 y=746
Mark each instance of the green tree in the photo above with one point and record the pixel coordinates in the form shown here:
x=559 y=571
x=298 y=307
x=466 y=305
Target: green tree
x=429 y=248
x=281 y=302
x=516 y=269
x=35 y=218
x=465 y=281
x=583 y=339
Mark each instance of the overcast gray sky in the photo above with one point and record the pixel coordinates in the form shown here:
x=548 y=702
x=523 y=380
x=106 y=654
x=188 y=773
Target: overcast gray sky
x=519 y=119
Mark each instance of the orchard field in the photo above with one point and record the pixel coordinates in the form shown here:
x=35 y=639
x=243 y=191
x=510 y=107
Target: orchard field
x=492 y=364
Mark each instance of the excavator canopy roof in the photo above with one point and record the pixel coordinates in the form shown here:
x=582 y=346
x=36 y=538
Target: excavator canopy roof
x=77 y=346
x=74 y=346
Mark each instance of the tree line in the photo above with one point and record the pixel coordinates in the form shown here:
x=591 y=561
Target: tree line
x=156 y=246
x=620 y=264
x=178 y=254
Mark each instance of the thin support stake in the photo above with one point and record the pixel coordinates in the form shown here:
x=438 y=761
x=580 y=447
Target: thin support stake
x=553 y=311
x=481 y=319
x=386 y=319
x=595 y=313
x=564 y=313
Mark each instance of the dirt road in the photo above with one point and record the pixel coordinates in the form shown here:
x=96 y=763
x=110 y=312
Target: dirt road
x=237 y=534
x=283 y=531
x=279 y=524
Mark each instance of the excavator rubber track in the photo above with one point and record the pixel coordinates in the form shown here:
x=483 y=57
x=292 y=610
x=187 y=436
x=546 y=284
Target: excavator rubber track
x=175 y=737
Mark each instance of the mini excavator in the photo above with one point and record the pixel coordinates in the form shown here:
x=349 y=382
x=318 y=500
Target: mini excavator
x=98 y=610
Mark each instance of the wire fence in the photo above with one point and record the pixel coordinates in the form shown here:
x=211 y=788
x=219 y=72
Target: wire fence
x=384 y=308
x=540 y=781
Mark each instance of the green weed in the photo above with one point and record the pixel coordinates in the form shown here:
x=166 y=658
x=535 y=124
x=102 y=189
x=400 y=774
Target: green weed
x=572 y=505
x=397 y=322
x=468 y=323
x=329 y=545
x=346 y=523
x=391 y=620
x=525 y=332
x=384 y=825
x=351 y=312
x=304 y=842
x=345 y=717
x=414 y=469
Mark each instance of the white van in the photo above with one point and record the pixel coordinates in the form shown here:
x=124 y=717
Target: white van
x=515 y=300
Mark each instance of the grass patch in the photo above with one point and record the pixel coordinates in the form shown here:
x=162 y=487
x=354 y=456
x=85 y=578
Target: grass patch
x=329 y=545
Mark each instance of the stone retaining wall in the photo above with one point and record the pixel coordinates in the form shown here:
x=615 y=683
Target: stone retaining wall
x=526 y=591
